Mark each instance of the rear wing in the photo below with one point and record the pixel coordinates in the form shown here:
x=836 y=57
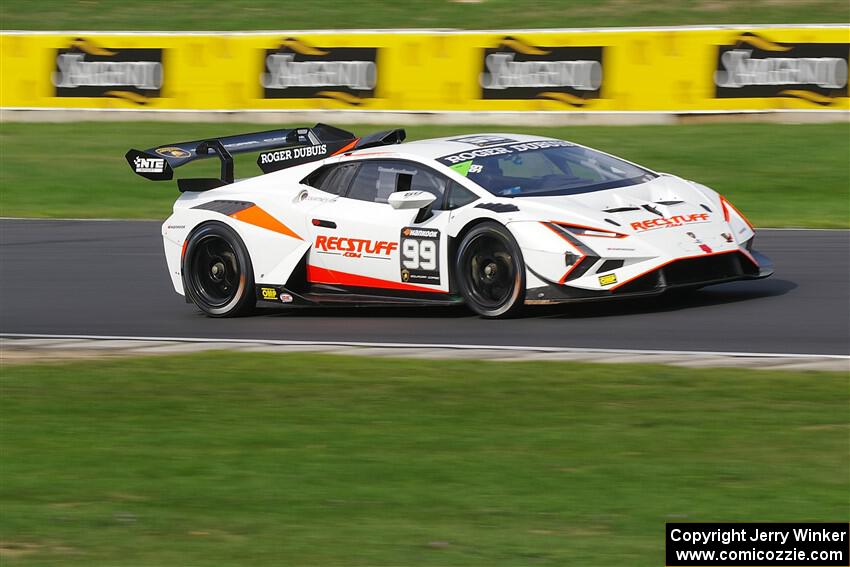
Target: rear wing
x=279 y=149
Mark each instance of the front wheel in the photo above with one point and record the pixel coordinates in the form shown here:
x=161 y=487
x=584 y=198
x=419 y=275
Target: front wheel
x=217 y=272
x=490 y=271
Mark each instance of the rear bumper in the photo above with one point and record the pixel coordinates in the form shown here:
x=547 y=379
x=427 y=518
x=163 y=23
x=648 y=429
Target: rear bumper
x=677 y=274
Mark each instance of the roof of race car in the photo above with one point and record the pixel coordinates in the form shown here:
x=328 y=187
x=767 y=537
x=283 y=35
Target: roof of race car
x=434 y=148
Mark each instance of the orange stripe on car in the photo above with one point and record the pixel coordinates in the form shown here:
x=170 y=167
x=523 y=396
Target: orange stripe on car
x=258 y=217
x=316 y=274
x=346 y=147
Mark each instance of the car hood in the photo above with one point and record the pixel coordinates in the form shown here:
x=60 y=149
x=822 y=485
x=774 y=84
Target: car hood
x=663 y=203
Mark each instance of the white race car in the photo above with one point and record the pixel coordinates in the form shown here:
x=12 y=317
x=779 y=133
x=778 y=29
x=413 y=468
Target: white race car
x=495 y=221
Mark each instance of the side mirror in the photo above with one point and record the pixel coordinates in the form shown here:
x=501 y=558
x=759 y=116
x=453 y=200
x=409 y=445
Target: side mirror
x=411 y=199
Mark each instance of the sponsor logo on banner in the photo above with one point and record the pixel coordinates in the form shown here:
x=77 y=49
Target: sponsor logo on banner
x=296 y=69
x=518 y=71
x=85 y=69
x=754 y=67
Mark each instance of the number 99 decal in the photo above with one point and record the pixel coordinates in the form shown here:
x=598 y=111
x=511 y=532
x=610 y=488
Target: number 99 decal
x=420 y=255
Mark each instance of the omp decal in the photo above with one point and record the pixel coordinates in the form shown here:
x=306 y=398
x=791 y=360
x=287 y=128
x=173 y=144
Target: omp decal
x=269 y=293
x=663 y=222
x=316 y=274
x=608 y=279
x=258 y=217
x=354 y=247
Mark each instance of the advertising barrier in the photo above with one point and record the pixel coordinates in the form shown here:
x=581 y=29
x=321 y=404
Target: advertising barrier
x=719 y=69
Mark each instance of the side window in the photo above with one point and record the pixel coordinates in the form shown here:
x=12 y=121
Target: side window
x=376 y=180
x=333 y=179
x=459 y=196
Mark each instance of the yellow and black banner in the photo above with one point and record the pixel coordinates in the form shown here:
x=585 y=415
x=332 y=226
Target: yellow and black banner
x=723 y=69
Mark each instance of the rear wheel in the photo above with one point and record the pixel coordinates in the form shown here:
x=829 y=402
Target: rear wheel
x=217 y=272
x=490 y=271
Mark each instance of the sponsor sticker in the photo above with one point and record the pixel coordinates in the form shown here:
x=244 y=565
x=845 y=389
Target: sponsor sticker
x=173 y=152
x=148 y=165
x=664 y=222
x=420 y=255
x=297 y=69
x=87 y=69
x=286 y=298
x=517 y=70
x=269 y=293
x=354 y=247
x=608 y=279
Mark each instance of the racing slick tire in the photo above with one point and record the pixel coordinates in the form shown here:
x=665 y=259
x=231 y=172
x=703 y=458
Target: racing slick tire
x=490 y=271
x=217 y=273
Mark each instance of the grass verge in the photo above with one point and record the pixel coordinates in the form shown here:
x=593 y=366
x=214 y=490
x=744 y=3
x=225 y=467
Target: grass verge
x=251 y=459
x=778 y=175
x=384 y=14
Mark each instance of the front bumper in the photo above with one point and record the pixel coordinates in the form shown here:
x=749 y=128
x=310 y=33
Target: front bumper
x=691 y=272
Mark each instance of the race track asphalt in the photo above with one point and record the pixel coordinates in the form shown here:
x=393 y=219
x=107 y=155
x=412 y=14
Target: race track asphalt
x=109 y=278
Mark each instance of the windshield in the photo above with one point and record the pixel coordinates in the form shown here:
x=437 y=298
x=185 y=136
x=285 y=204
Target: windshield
x=545 y=168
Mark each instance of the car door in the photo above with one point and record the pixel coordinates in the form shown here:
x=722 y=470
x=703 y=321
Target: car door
x=362 y=243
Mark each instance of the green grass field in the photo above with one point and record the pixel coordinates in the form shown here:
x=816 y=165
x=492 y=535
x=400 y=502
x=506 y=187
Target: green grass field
x=253 y=459
x=482 y=14
x=778 y=175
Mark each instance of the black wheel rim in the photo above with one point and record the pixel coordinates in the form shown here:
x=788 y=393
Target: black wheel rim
x=215 y=271
x=489 y=271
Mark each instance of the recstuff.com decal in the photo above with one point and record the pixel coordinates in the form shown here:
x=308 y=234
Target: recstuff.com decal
x=420 y=255
x=354 y=247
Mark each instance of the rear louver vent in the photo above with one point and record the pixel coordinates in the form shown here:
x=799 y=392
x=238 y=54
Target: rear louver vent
x=622 y=209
